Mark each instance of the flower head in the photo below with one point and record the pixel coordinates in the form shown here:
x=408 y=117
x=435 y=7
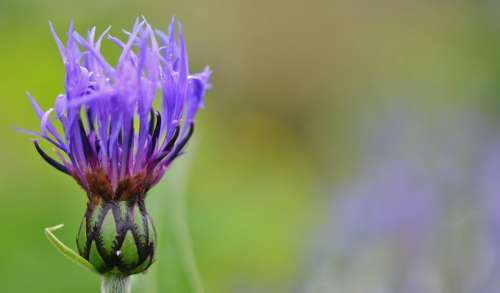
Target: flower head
x=122 y=126
x=116 y=141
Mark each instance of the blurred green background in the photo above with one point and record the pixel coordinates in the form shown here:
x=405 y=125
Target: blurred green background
x=298 y=88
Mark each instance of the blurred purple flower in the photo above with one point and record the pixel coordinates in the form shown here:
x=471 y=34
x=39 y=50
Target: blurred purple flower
x=391 y=202
x=114 y=142
x=393 y=211
x=490 y=191
x=490 y=187
x=409 y=222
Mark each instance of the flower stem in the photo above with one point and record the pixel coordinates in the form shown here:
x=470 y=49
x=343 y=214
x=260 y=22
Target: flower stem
x=115 y=284
x=182 y=234
x=185 y=244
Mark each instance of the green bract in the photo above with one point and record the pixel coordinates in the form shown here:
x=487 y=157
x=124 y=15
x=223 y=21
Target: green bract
x=117 y=237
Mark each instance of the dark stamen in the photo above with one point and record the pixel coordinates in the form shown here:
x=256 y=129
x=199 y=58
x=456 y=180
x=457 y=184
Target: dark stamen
x=108 y=145
x=49 y=160
x=131 y=133
x=172 y=141
x=166 y=150
x=183 y=142
x=151 y=121
x=87 y=149
x=129 y=142
x=155 y=134
x=120 y=137
x=110 y=127
x=90 y=120
x=97 y=146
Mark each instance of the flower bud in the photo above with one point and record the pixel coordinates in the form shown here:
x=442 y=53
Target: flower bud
x=117 y=237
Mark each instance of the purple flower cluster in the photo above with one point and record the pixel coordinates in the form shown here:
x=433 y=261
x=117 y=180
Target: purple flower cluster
x=123 y=125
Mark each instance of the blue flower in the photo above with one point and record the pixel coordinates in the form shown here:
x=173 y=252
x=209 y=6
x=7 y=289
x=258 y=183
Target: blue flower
x=123 y=125
x=121 y=128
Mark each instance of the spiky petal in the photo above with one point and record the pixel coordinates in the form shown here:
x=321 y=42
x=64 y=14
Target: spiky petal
x=114 y=141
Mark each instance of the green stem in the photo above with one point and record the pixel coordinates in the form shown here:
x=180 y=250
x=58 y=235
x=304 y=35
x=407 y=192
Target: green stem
x=182 y=234
x=115 y=284
x=185 y=245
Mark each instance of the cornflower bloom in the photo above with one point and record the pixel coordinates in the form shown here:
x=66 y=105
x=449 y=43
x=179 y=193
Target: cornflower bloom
x=116 y=142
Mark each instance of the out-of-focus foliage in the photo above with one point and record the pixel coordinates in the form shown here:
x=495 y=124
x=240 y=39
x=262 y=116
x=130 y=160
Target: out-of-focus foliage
x=346 y=145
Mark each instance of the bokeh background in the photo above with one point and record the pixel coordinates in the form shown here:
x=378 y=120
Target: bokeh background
x=346 y=146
